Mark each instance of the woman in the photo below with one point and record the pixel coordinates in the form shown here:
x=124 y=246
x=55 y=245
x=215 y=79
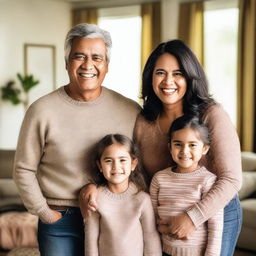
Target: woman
x=174 y=84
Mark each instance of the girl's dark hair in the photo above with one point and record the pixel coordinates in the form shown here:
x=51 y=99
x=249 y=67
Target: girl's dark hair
x=136 y=176
x=193 y=122
x=196 y=98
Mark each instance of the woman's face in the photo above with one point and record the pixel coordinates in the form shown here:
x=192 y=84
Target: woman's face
x=169 y=83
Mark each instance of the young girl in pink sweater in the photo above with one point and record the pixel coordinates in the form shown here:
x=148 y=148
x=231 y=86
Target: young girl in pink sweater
x=124 y=223
x=177 y=188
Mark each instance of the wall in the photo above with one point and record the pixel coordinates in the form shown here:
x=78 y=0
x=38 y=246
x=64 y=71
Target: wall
x=28 y=21
x=45 y=22
x=170 y=18
x=170 y=12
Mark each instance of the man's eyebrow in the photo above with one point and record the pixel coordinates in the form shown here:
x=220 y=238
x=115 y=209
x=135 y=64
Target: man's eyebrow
x=79 y=53
x=94 y=54
x=98 y=55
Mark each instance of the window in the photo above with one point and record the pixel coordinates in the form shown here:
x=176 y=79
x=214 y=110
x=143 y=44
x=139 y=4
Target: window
x=124 y=25
x=221 y=37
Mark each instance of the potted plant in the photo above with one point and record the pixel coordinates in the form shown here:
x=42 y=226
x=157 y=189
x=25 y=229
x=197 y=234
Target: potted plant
x=14 y=95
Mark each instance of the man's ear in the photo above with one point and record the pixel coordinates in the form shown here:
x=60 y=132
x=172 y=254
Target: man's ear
x=99 y=165
x=206 y=149
x=134 y=163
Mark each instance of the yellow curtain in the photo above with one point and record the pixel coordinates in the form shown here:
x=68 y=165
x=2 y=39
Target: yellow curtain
x=246 y=79
x=151 y=29
x=84 y=16
x=191 y=27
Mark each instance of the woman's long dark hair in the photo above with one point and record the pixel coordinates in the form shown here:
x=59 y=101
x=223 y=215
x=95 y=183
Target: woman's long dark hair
x=197 y=96
x=136 y=176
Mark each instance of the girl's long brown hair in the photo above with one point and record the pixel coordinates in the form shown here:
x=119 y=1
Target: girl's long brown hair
x=136 y=176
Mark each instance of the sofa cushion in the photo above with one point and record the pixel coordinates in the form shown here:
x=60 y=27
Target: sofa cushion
x=248 y=186
x=8 y=188
x=248 y=161
x=249 y=212
x=18 y=229
x=6 y=163
x=24 y=252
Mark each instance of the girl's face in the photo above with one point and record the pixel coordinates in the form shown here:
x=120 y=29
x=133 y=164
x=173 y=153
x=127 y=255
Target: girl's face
x=187 y=148
x=169 y=83
x=116 y=165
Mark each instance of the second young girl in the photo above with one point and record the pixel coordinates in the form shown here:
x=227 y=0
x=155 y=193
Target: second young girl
x=124 y=223
x=176 y=189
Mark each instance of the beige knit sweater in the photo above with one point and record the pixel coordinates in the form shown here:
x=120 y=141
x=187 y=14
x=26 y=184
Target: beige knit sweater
x=223 y=159
x=123 y=226
x=52 y=156
x=173 y=193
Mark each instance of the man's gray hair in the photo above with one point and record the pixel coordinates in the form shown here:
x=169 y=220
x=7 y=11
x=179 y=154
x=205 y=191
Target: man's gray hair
x=87 y=31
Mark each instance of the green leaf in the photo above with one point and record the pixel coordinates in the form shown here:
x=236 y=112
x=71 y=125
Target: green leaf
x=27 y=81
x=10 y=93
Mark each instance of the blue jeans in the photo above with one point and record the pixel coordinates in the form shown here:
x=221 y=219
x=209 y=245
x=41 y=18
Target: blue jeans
x=232 y=226
x=64 y=237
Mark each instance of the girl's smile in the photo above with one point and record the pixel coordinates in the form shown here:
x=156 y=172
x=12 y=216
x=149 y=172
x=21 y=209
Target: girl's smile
x=186 y=149
x=116 y=165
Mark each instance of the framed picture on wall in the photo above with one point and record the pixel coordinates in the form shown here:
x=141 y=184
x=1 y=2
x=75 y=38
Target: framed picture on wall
x=40 y=61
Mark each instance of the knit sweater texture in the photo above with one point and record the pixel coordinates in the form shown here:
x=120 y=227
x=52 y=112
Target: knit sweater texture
x=123 y=226
x=173 y=193
x=223 y=159
x=52 y=161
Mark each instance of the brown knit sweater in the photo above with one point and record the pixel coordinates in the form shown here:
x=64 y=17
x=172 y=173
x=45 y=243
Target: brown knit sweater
x=223 y=159
x=52 y=157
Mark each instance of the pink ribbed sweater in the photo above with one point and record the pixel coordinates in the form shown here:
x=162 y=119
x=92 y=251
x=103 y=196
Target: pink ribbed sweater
x=223 y=159
x=173 y=193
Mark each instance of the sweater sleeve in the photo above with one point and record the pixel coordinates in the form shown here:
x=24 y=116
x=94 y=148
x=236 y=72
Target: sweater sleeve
x=92 y=231
x=154 y=190
x=214 y=226
x=29 y=151
x=152 y=244
x=224 y=159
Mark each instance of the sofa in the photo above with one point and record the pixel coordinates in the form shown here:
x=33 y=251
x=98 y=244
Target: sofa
x=18 y=228
x=11 y=206
x=8 y=190
x=247 y=195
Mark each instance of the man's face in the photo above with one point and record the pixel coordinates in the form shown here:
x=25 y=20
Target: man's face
x=87 y=67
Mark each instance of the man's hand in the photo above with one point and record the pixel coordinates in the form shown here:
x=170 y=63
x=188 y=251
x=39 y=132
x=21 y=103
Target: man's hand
x=87 y=200
x=180 y=227
x=56 y=216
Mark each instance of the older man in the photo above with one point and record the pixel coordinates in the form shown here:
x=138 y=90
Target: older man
x=52 y=157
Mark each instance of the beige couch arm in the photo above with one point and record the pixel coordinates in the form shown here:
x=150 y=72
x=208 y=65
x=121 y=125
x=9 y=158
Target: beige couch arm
x=248 y=161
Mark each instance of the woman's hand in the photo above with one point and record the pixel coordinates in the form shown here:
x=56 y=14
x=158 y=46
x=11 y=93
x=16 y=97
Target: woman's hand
x=181 y=226
x=87 y=200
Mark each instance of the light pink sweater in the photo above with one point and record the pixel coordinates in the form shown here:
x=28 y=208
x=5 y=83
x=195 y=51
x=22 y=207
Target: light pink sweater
x=123 y=226
x=223 y=159
x=173 y=193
